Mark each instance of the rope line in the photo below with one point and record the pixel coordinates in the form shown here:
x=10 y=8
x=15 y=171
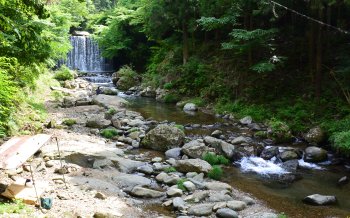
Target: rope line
x=307 y=17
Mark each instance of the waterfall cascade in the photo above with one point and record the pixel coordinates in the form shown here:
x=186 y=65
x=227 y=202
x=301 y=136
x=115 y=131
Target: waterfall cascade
x=85 y=56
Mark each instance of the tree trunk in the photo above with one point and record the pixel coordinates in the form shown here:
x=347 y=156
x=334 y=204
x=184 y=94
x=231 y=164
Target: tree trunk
x=318 y=72
x=185 y=49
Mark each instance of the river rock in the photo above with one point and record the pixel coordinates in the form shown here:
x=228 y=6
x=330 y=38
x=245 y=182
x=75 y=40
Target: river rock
x=129 y=181
x=173 y=153
x=217 y=133
x=315 y=154
x=195 y=149
x=190 y=186
x=288 y=155
x=161 y=94
x=193 y=165
x=127 y=165
x=68 y=102
x=269 y=152
x=315 y=135
x=246 y=120
x=317 y=199
x=148 y=92
x=190 y=107
x=263 y=215
x=98 y=122
x=109 y=91
x=236 y=205
x=146 y=169
x=343 y=181
x=291 y=165
x=240 y=140
x=220 y=146
x=198 y=196
x=219 y=196
x=174 y=192
x=179 y=203
x=145 y=192
x=163 y=137
x=226 y=213
x=201 y=209
x=217 y=186
x=109 y=101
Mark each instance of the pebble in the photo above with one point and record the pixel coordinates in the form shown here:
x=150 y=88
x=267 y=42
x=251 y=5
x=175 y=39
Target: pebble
x=100 y=195
x=226 y=213
x=174 y=192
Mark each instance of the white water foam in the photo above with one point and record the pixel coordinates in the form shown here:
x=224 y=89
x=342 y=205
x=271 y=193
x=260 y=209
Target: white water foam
x=261 y=166
x=308 y=165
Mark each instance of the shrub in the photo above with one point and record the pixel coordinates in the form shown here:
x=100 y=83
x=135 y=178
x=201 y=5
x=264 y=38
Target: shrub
x=170 y=170
x=171 y=98
x=214 y=159
x=109 y=133
x=341 y=142
x=7 y=95
x=215 y=173
x=168 y=86
x=63 y=74
x=69 y=122
x=180 y=184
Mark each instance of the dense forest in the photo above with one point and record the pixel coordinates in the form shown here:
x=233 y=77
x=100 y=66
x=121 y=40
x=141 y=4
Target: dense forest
x=277 y=61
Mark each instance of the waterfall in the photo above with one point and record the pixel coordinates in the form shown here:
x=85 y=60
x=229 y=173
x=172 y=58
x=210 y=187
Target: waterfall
x=85 y=56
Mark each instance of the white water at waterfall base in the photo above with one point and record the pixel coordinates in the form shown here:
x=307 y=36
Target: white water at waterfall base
x=270 y=167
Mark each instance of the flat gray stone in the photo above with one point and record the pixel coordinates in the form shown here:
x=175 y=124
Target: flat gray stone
x=145 y=192
x=226 y=213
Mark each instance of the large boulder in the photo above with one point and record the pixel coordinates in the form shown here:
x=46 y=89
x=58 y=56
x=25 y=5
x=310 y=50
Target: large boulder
x=109 y=101
x=190 y=107
x=129 y=181
x=193 y=165
x=195 y=149
x=288 y=155
x=222 y=147
x=98 y=122
x=317 y=199
x=126 y=82
x=269 y=152
x=160 y=94
x=173 y=153
x=148 y=92
x=315 y=154
x=246 y=120
x=315 y=135
x=163 y=137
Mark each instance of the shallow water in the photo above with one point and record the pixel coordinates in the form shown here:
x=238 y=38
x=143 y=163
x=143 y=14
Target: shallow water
x=281 y=197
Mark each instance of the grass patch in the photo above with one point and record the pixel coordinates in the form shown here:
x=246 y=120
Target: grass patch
x=31 y=112
x=109 y=133
x=180 y=184
x=214 y=159
x=17 y=207
x=180 y=127
x=170 y=170
x=215 y=173
x=69 y=122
